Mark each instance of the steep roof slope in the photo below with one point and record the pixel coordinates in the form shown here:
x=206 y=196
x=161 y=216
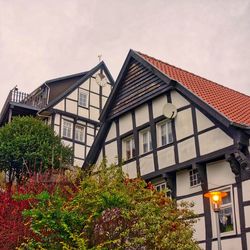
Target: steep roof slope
x=233 y=105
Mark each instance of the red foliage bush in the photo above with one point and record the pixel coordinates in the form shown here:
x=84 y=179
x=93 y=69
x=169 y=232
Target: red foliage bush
x=13 y=228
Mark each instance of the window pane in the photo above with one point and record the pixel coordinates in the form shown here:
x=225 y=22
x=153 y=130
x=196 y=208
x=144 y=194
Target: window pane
x=79 y=132
x=133 y=147
x=194 y=177
x=128 y=152
x=166 y=133
x=226 y=219
x=227 y=199
x=83 y=97
x=67 y=129
x=170 y=134
x=145 y=142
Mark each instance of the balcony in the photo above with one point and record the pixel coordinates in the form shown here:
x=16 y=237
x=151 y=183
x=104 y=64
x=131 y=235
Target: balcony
x=37 y=100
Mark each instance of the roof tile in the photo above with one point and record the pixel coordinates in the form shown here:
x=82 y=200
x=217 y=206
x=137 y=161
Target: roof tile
x=230 y=103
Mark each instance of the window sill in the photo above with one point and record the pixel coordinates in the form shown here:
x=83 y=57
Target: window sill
x=129 y=160
x=147 y=153
x=165 y=146
x=81 y=106
x=195 y=186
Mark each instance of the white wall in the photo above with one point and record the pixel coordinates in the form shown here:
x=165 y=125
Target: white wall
x=130 y=169
x=184 y=124
x=183 y=184
x=158 y=104
x=147 y=164
x=125 y=123
x=178 y=100
x=166 y=157
x=219 y=173
x=112 y=132
x=202 y=121
x=214 y=140
x=111 y=152
x=141 y=115
x=200 y=231
x=186 y=150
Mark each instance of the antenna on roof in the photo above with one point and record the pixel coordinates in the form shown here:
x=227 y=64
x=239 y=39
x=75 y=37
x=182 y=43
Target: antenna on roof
x=100 y=57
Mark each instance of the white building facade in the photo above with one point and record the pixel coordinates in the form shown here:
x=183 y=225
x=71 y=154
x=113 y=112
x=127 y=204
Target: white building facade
x=186 y=133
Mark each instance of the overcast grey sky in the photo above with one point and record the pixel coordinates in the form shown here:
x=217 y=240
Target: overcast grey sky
x=40 y=40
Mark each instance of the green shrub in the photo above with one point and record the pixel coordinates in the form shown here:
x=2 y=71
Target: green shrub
x=110 y=211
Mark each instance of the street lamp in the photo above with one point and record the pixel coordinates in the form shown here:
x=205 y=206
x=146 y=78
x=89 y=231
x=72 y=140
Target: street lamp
x=216 y=200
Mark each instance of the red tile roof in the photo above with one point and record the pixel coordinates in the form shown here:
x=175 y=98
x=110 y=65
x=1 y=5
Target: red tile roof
x=233 y=105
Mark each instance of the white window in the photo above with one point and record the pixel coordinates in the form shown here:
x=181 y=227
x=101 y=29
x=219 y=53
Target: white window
x=79 y=133
x=162 y=187
x=226 y=216
x=194 y=177
x=83 y=98
x=165 y=133
x=67 y=129
x=129 y=148
x=146 y=141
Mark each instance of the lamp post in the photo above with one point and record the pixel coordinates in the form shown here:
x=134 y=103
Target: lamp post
x=216 y=200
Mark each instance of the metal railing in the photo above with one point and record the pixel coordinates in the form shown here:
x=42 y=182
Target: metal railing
x=37 y=101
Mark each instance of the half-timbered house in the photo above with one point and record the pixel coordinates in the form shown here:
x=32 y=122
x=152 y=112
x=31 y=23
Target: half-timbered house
x=70 y=104
x=184 y=132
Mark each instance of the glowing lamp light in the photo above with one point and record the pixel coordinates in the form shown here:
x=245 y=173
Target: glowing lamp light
x=216 y=198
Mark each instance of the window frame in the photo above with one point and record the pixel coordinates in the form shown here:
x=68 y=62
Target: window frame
x=231 y=205
x=83 y=102
x=67 y=132
x=161 y=187
x=194 y=178
x=147 y=143
x=131 y=141
x=83 y=129
x=168 y=132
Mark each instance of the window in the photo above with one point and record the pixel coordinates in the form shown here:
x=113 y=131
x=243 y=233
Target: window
x=67 y=129
x=194 y=177
x=83 y=98
x=129 y=146
x=163 y=187
x=226 y=218
x=165 y=132
x=146 y=141
x=79 y=133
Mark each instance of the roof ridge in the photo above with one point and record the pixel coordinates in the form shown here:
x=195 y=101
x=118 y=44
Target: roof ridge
x=192 y=74
x=66 y=77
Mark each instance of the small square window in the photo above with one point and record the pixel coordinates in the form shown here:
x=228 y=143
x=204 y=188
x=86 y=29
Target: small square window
x=67 y=129
x=83 y=98
x=163 y=187
x=129 y=148
x=79 y=133
x=194 y=177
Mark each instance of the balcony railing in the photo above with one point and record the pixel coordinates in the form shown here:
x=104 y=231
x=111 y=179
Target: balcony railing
x=37 y=101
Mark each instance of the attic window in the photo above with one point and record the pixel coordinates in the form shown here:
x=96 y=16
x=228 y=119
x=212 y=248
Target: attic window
x=83 y=98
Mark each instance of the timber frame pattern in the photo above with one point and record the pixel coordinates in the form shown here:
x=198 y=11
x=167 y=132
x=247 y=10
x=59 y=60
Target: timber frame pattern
x=139 y=83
